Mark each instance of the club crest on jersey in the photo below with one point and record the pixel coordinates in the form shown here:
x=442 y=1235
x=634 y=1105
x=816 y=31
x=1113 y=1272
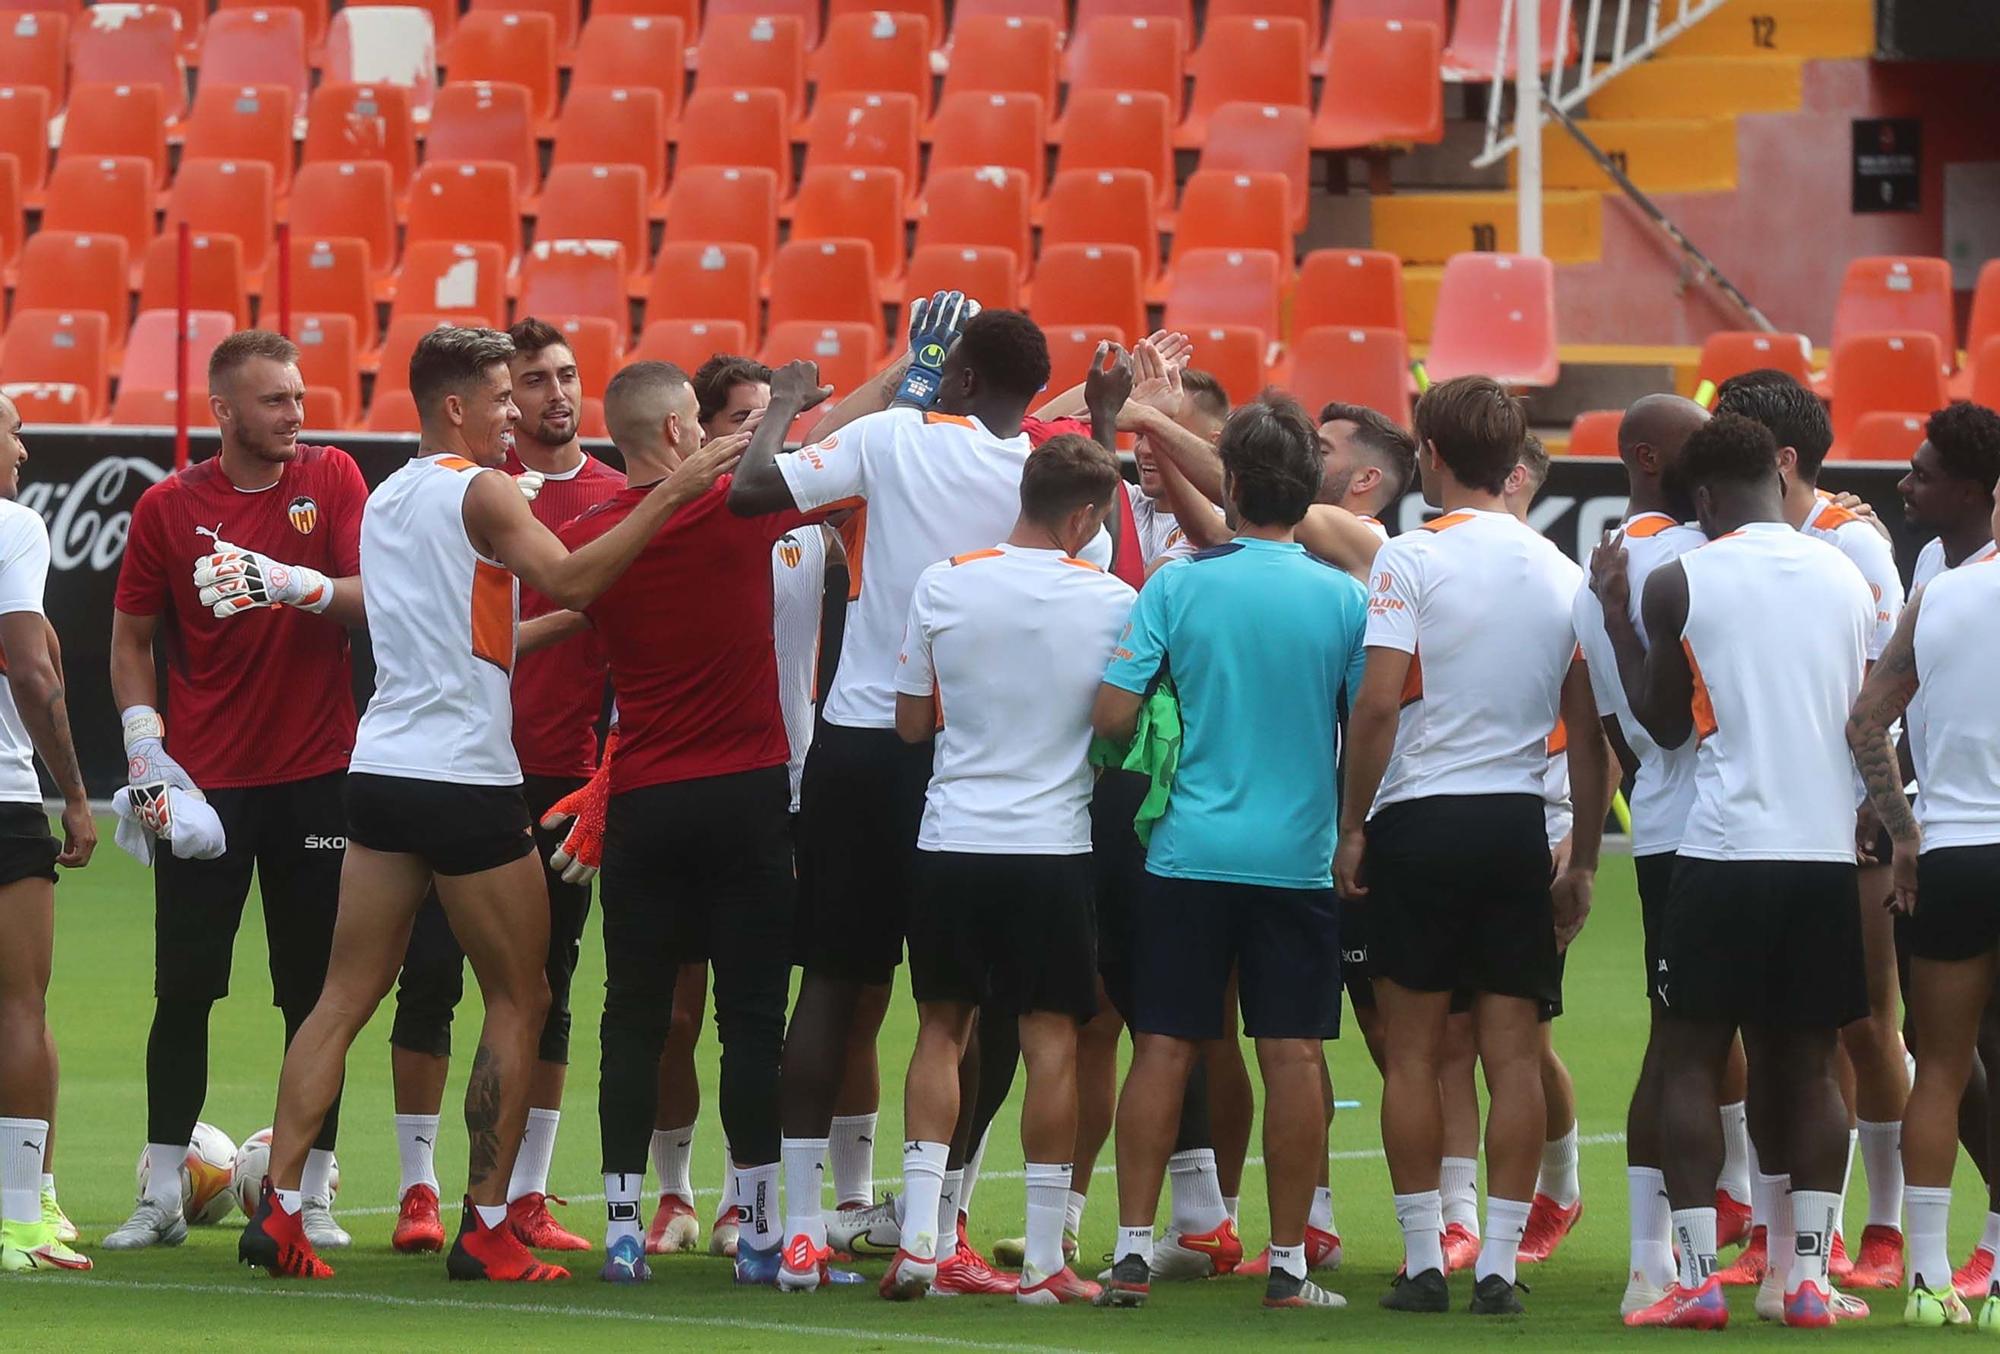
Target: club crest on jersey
x=304 y=514
x=791 y=552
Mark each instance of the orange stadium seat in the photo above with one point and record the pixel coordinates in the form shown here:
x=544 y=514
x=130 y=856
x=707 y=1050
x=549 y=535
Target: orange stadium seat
x=314 y=12
x=1306 y=12
x=930 y=11
x=1265 y=138
x=1071 y=348
x=1004 y=55
x=693 y=280
x=1214 y=287
x=1732 y=352
x=68 y=346
x=1981 y=324
x=1351 y=288
x=854 y=203
x=400 y=342
x=1985 y=373
x=24 y=134
x=575 y=277
x=34 y=52
x=847 y=354
x=826 y=282
x=504 y=45
x=686 y=12
x=992 y=275
x=330 y=354
x=1112 y=129
x=243 y=122
x=48 y=401
x=876 y=52
x=363 y=122
x=1234 y=355
x=689 y=343
x=590 y=418
x=386 y=46
x=465 y=202
x=1009 y=130
x=193 y=16
x=1176 y=11
x=984 y=206
x=325 y=408
x=598 y=344
x=1381 y=85
x=70 y=270
x=1883 y=435
x=746 y=51
x=1360 y=365
x=124 y=45
x=452 y=278
x=232 y=196
x=118 y=120
x=10 y=212
x=479 y=120
x=1496 y=316
x=1892 y=295
x=444 y=13
x=1055 y=12
x=600 y=202
x=1225 y=210
x=604 y=125
x=1247 y=61
x=215 y=276
x=332 y=277
x=1894 y=372
x=1416 y=11
x=1126 y=55
x=867 y=130
x=737 y=128
x=110 y=196
x=1475 y=40
x=149 y=352
x=393 y=411
x=807 y=12
x=144 y=407
x=257 y=46
x=1595 y=432
x=724 y=203
x=1104 y=206
x=633 y=51
x=1079 y=285
x=347 y=198
x=564 y=14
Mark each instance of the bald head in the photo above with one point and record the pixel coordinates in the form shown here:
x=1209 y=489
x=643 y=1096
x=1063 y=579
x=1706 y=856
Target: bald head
x=650 y=411
x=1662 y=422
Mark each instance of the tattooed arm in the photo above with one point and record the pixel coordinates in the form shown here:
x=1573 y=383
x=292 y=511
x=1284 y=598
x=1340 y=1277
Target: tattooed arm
x=1885 y=694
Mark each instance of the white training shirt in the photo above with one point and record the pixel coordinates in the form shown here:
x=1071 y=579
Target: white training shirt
x=1958 y=654
x=1558 y=810
x=1872 y=555
x=798 y=586
x=935 y=485
x=1374 y=524
x=1930 y=563
x=1777 y=636
x=1013 y=644
x=24 y=575
x=442 y=618
x=1481 y=603
x=1160 y=534
x=1664 y=786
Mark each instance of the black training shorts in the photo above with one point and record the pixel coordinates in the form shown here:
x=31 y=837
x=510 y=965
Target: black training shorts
x=1655 y=876
x=28 y=850
x=1016 y=931
x=1958 y=904
x=454 y=829
x=1773 y=943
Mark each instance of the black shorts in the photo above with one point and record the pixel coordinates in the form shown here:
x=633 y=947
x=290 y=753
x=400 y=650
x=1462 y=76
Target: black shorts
x=1283 y=943
x=1119 y=862
x=1958 y=904
x=292 y=837
x=1773 y=943
x=433 y=976
x=1016 y=931
x=1357 y=971
x=1458 y=897
x=28 y=850
x=1655 y=876
x=861 y=801
x=454 y=829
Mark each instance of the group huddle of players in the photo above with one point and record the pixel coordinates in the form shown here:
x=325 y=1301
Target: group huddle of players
x=1179 y=757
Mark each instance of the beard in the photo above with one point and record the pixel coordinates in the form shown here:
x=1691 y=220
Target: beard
x=1333 y=486
x=552 y=437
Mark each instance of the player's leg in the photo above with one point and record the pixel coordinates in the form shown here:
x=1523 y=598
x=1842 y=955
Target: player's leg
x=1509 y=1039
x=1974 y=1277
x=1693 y=1055
x=427 y=993
x=1769 y=1183
x=1232 y=1103
x=1413 y=1027
x=857 y=1106
x=1558 y=1191
x=675 y=1226
x=1948 y=995
x=1458 y=1171
x=28 y=1240
x=1874 y=1046
x=999 y=1059
x=52 y=1211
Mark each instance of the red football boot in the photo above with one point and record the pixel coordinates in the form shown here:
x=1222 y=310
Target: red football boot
x=275 y=1241
x=1461 y=1248
x=1839 y=1266
x=1686 y=1308
x=418 y=1227
x=675 y=1227
x=1732 y=1220
x=495 y=1253
x=1322 y=1252
x=531 y=1220
x=1750 y=1265
x=1880 y=1264
x=1548 y=1224
x=1974 y=1275
x=967 y=1273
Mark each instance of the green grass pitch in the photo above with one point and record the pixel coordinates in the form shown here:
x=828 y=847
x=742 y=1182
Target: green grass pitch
x=197 y=1297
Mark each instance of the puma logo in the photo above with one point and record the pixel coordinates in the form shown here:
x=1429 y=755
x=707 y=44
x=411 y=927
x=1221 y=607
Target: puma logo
x=419 y=1138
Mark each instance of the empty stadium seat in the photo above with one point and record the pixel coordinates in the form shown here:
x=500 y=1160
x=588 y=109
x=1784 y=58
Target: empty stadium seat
x=215 y=276
x=243 y=122
x=866 y=130
x=695 y=280
x=1984 y=381
x=930 y=11
x=393 y=411
x=59 y=346
x=11 y=224
x=480 y=120
x=24 y=134
x=1306 y=12
x=745 y=51
x=1175 y=11
x=443 y=13
x=232 y=196
x=257 y=47
x=34 y=53
x=466 y=202
x=847 y=354
x=563 y=13
x=150 y=351
x=826 y=282
x=71 y=270
x=1496 y=316
x=147 y=407
x=1247 y=61
x=1883 y=435
x=576 y=277
x=1071 y=348
x=1080 y=285
x=737 y=128
x=1009 y=130
x=1733 y=352
x=1475 y=40
x=332 y=277
x=1054 y=12
x=465 y=281
x=984 y=206
x=325 y=408
x=633 y=51
x=1595 y=432
x=55 y=402
x=387 y=46
x=503 y=45
x=400 y=342
x=1224 y=210
x=1234 y=354
x=599 y=202
x=807 y=12
x=590 y=418
x=689 y=343
x=313 y=12
x=330 y=354
x=876 y=52
x=1209 y=288
x=1982 y=323
x=1112 y=129
x=723 y=203
x=363 y=122
x=1104 y=206
x=1381 y=85
x=616 y=126
x=992 y=275
x=1885 y=372
x=1893 y=295
x=1125 y=55
x=1349 y=288
x=1009 y=54
x=348 y=198
x=1355 y=365
x=119 y=44
x=597 y=343
x=111 y=196
x=854 y=203
x=1264 y=138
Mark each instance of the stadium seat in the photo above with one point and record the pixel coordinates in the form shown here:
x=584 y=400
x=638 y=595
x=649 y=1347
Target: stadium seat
x=112 y=196
x=1306 y=12
x=215 y=276
x=243 y=122
x=1209 y=288
x=1247 y=61
x=847 y=354
x=1234 y=354
x=599 y=202
x=603 y=125
x=1079 y=285
x=737 y=128
x=689 y=343
x=1264 y=138
x=826 y=282
x=693 y=280
x=24 y=134
x=70 y=270
x=466 y=202
x=1732 y=352
x=984 y=206
x=1595 y=432
x=1982 y=323
x=257 y=47
x=118 y=120
x=633 y=51
x=1416 y=11
x=34 y=53
x=590 y=418
x=1004 y=55
x=1381 y=85
x=854 y=203
x=232 y=196
x=1471 y=53
x=1891 y=295
x=479 y=120
x=866 y=130
x=330 y=354
x=1112 y=129
x=1071 y=348
x=876 y=52
x=1984 y=379
x=1055 y=12
x=401 y=341
x=145 y=407
x=11 y=224
x=755 y=51
x=598 y=344
x=325 y=408
x=1104 y=206
x=1496 y=316
x=1175 y=11
x=1883 y=435
x=1224 y=210
x=564 y=14
x=119 y=44
x=1349 y=288
x=56 y=402
x=719 y=204
x=1892 y=372
x=576 y=277
x=807 y=12
x=150 y=351
x=992 y=275
x=443 y=15
x=1127 y=55
x=362 y=122
x=331 y=276
x=463 y=281
x=1009 y=130
x=313 y=12
x=68 y=346
x=347 y=198
x=1359 y=365
x=503 y=45
x=393 y=411
x=386 y=46
x=930 y=11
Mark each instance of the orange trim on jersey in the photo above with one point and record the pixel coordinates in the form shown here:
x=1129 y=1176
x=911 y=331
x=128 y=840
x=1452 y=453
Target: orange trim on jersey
x=853 y=538
x=960 y=419
x=1559 y=739
x=1704 y=708
x=1081 y=564
x=1652 y=524
x=457 y=463
x=972 y=555
x=1413 y=681
x=493 y=615
x=1446 y=522
x=1371 y=521
x=1832 y=516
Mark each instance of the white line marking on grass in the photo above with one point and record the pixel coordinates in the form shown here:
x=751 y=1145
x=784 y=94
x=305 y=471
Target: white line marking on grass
x=843 y=1334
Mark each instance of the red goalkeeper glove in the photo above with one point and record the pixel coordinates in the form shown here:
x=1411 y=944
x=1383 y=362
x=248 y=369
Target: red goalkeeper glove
x=581 y=854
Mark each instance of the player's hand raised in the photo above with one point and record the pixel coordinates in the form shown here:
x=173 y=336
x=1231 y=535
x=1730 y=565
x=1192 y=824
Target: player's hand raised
x=1175 y=348
x=797 y=383
x=1109 y=384
x=1610 y=577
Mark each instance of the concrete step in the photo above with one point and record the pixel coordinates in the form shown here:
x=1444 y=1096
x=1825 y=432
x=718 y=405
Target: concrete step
x=1677 y=86
x=1661 y=155
x=1800 y=28
x=1431 y=227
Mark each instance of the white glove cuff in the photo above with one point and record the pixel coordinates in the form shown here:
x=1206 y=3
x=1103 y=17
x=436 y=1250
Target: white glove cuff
x=142 y=723
x=321 y=596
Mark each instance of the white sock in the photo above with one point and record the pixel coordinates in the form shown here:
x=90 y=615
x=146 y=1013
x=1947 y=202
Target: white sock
x=1765 y=1191
x=1048 y=1199
x=290 y=1200
x=971 y=1178
x=21 y=1169
x=1421 y=1216
x=1073 y=1212
x=947 y=1213
x=491 y=1215
x=756 y=1194
x=805 y=1168
x=1506 y=1220
x=1558 y=1174
x=316 y=1180
x=1929 y=1212
x=1694 y=1233
x=1846 y=1176
x=537 y=1154
x=163 y=1172
x=1882 y=1158
x=1989 y=1240
x=851 y=1151
x=416 y=1145
x=621 y=1207
x=1134 y=1241
x=1781 y=1235
x=1735 y=1178
x=1321 y=1215
x=1229 y=1205
x=1197 y=1192
x=1652 y=1225
x=1458 y=1188
x=48 y=1182
x=1290 y=1259
x=923 y=1189
x=672 y=1151
x=1815 y=1215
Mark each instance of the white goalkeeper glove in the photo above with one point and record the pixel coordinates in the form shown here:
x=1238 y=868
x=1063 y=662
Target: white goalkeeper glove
x=231 y=580
x=530 y=482
x=148 y=768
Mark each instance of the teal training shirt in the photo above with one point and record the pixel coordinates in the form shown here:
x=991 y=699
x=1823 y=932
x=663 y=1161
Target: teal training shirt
x=1264 y=643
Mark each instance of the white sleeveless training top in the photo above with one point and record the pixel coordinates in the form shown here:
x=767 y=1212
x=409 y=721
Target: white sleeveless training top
x=1958 y=651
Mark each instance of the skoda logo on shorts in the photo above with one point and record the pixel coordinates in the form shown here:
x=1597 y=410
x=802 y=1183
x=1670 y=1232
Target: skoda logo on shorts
x=931 y=356
x=304 y=514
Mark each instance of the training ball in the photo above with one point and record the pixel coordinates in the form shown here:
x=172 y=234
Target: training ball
x=206 y=1179
x=253 y=1163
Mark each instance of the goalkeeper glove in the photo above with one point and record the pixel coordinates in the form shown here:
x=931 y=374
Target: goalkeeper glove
x=935 y=324
x=581 y=854
x=149 y=770
x=232 y=580
x=530 y=482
